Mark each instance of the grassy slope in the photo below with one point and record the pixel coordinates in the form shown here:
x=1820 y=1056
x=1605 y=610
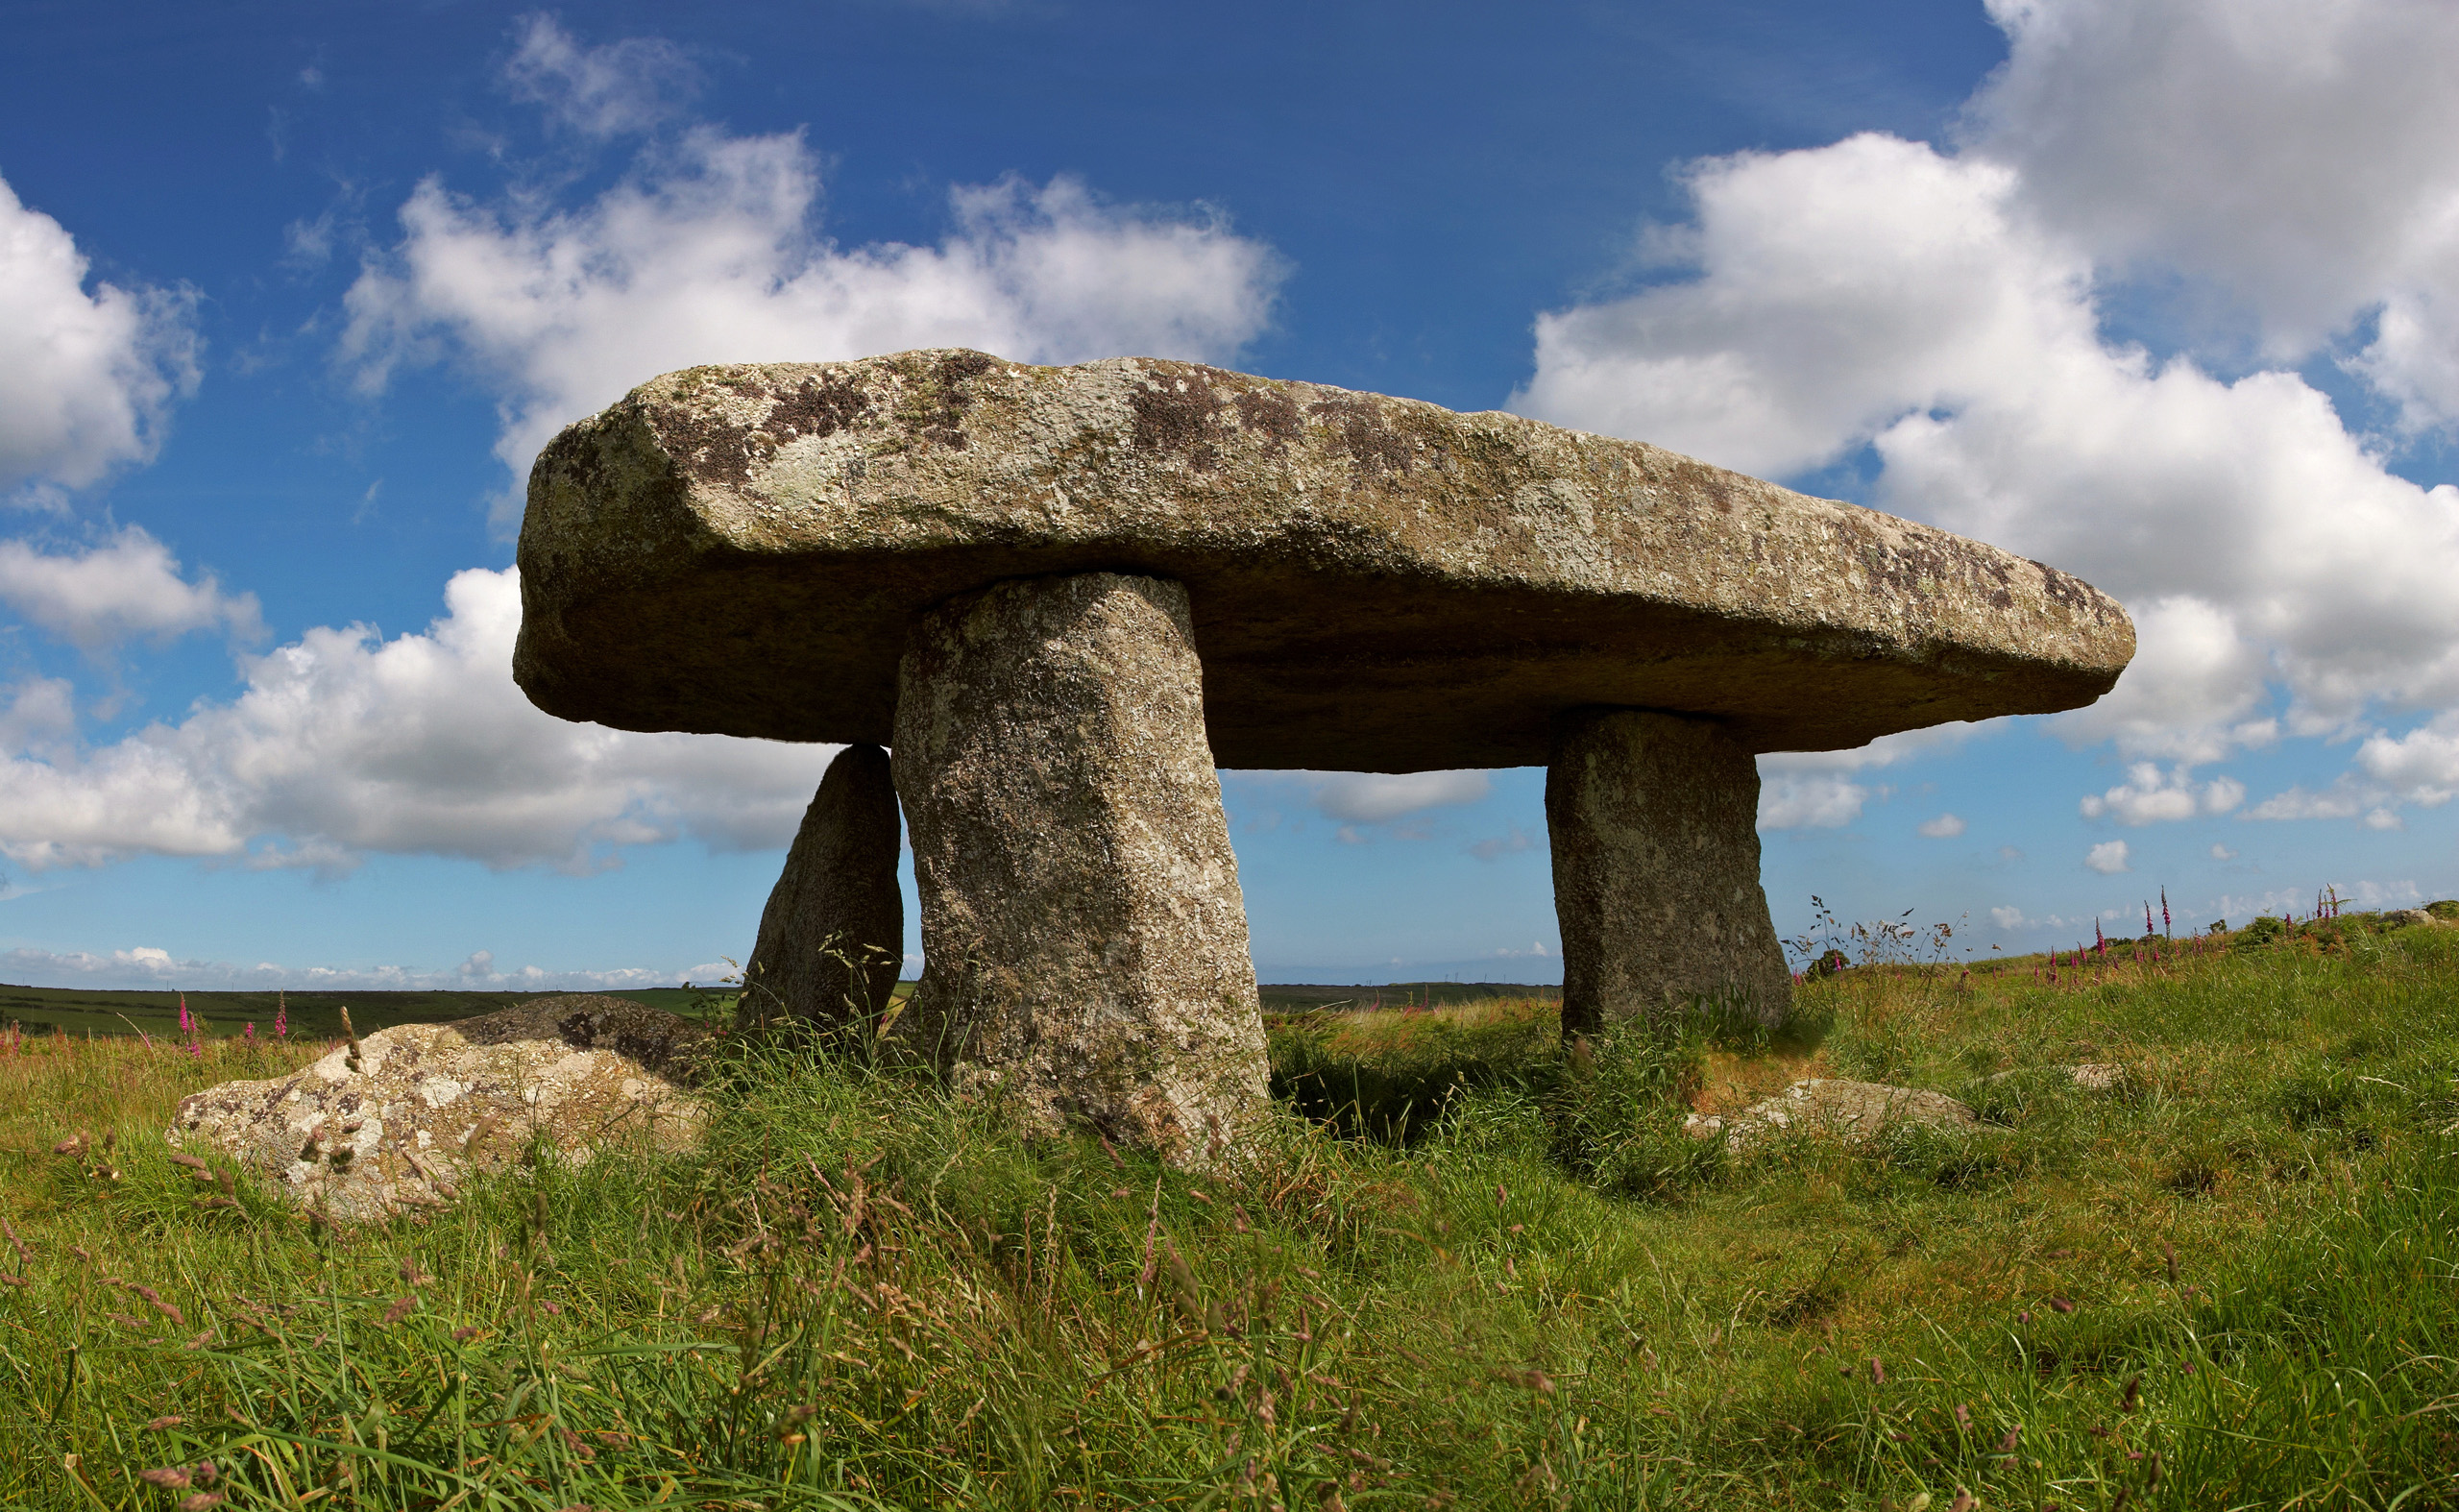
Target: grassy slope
x=860 y=1293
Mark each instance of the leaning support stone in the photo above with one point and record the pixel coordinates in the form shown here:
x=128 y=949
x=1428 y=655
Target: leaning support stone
x=833 y=934
x=1653 y=819
x=1084 y=937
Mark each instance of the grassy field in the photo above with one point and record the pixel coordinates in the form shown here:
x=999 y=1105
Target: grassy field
x=1488 y=1273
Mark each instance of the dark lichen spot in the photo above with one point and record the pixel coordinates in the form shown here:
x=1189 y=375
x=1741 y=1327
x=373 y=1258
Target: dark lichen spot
x=718 y=451
x=934 y=407
x=1698 y=480
x=1174 y=412
x=958 y=366
x=817 y=406
x=2070 y=593
x=1270 y=413
x=711 y=449
x=1363 y=432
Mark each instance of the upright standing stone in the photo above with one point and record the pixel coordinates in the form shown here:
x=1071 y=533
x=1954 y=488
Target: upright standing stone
x=1084 y=937
x=833 y=934
x=1653 y=819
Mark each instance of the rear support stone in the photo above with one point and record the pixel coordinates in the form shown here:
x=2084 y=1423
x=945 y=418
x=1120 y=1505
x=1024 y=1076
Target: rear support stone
x=1084 y=937
x=1653 y=820
x=833 y=934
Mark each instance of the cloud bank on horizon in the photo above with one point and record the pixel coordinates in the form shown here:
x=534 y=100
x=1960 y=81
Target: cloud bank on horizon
x=1951 y=319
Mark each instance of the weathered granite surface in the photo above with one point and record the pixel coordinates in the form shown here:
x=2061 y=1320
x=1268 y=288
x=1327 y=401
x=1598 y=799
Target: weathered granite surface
x=1654 y=823
x=1084 y=938
x=833 y=934
x=398 y=1120
x=1848 y=1110
x=1376 y=584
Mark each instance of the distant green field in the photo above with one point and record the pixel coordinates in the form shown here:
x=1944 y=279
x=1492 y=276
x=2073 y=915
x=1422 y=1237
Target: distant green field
x=1292 y=997
x=317 y=1015
x=314 y=1015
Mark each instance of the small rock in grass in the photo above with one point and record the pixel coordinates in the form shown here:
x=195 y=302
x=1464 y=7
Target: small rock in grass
x=430 y=1102
x=2092 y=1076
x=1848 y=1110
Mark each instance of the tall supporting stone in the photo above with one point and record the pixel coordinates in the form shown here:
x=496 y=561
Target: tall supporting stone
x=833 y=934
x=1653 y=819
x=1084 y=934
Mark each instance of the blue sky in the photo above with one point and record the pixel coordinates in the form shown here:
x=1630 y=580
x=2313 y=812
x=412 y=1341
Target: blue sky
x=2164 y=292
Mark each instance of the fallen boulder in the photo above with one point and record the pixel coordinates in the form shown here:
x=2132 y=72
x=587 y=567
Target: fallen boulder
x=395 y=1122
x=1848 y=1110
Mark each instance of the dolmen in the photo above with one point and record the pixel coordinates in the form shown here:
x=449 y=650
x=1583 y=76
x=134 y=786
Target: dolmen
x=1062 y=597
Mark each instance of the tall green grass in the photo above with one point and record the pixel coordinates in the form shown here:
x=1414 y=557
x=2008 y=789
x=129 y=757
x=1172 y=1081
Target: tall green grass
x=1468 y=1268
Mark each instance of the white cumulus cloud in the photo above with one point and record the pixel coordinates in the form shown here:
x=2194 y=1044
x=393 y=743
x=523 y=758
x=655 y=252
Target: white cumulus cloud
x=2107 y=858
x=2342 y=800
x=2421 y=766
x=1946 y=826
x=128 y=587
x=1944 y=310
x=2150 y=796
x=1810 y=800
x=2296 y=154
x=345 y=742
x=710 y=249
x=1813 y=790
x=86 y=378
x=634 y=84
x=1372 y=797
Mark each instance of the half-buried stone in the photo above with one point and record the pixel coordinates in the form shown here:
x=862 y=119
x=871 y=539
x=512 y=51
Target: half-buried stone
x=1372 y=584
